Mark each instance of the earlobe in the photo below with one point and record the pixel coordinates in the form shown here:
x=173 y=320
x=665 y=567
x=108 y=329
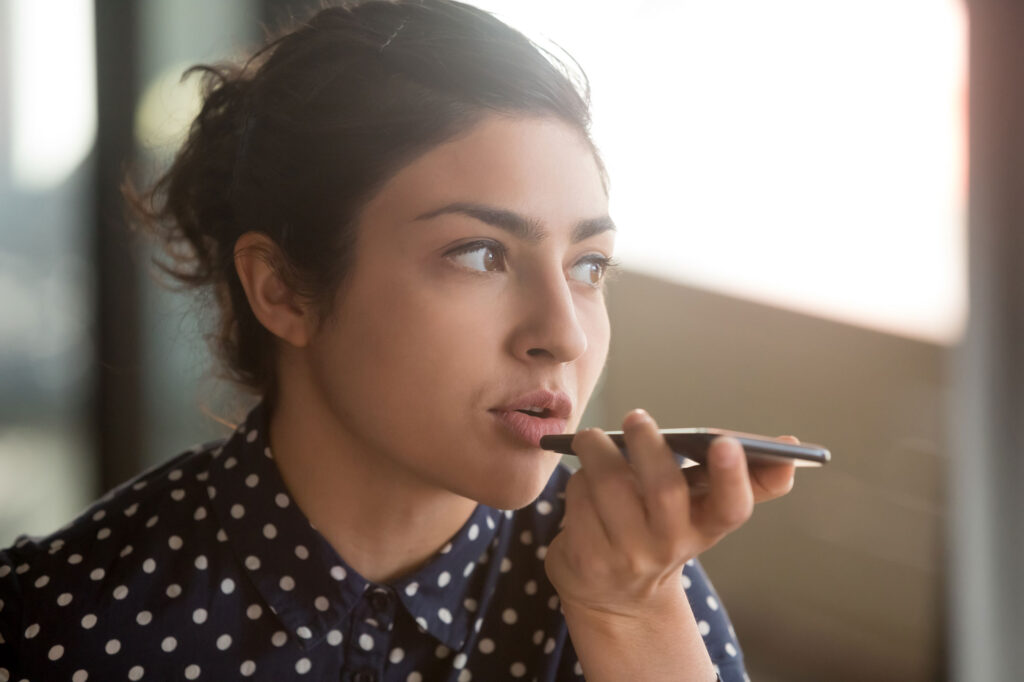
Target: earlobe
x=275 y=305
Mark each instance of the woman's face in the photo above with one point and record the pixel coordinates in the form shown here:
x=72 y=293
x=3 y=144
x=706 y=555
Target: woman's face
x=475 y=293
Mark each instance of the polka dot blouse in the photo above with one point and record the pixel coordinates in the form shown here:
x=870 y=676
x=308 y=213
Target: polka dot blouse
x=204 y=569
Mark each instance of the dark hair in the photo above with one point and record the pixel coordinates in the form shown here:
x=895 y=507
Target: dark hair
x=294 y=143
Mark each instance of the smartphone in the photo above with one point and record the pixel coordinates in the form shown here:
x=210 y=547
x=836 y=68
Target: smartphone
x=691 y=446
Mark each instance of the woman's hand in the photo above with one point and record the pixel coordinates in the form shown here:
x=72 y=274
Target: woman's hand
x=629 y=527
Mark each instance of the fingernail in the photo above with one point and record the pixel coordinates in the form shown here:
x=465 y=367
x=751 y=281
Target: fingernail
x=635 y=417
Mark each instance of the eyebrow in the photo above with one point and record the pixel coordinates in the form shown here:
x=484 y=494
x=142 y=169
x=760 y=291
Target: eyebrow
x=518 y=225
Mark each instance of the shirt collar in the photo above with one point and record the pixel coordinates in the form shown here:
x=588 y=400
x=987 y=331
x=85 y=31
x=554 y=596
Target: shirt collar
x=300 y=576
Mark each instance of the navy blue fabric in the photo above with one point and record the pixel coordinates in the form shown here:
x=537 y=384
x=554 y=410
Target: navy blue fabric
x=204 y=568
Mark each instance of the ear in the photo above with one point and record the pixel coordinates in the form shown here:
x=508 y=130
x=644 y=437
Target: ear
x=275 y=305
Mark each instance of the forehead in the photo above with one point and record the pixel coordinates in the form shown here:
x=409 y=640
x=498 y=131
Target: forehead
x=540 y=167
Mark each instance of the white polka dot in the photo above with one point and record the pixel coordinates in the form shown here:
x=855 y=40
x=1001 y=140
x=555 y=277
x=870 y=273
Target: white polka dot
x=252 y=435
x=459 y=662
x=224 y=641
x=247 y=668
x=6 y=570
x=414 y=676
x=469 y=604
x=686 y=582
x=279 y=638
x=222 y=536
x=237 y=511
x=338 y=573
x=199 y=616
x=31 y=631
x=281 y=500
x=55 y=652
x=151 y=521
x=201 y=563
x=366 y=642
x=506 y=565
x=474 y=532
x=270 y=531
x=63 y=600
x=254 y=611
x=169 y=644
x=174 y=475
x=227 y=586
x=517 y=669
x=442 y=651
x=411 y=588
x=578 y=669
x=103 y=534
x=148 y=566
x=712 y=603
x=80 y=676
x=465 y=676
x=112 y=647
x=703 y=627
x=126 y=550
x=230 y=463
x=192 y=672
x=422 y=623
x=301 y=552
x=468 y=569
x=538 y=637
x=42 y=581
x=177 y=494
x=23 y=568
x=542 y=551
x=396 y=655
x=730 y=649
x=287 y=583
x=131 y=509
x=486 y=646
x=97 y=574
x=445 y=615
x=139 y=485
x=549 y=645
x=174 y=542
x=444 y=578
x=211 y=492
x=99 y=515
x=509 y=616
x=526 y=537
x=302 y=666
x=334 y=637
x=478 y=624
x=136 y=672
x=321 y=603
x=252 y=480
x=144 y=618
x=120 y=592
x=530 y=587
x=252 y=562
x=200 y=513
x=490 y=522
x=544 y=507
x=73 y=559
x=173 y=590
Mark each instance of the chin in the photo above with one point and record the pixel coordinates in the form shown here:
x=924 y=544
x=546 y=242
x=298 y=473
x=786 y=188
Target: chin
x=513 y=492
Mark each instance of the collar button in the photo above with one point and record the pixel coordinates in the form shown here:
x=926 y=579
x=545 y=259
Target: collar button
x=380 y=600
x=364 y=676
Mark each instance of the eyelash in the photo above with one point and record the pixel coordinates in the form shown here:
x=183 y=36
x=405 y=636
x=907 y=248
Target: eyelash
x=608 y=265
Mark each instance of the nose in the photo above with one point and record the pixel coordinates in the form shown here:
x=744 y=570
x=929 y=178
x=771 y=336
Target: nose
x=549 y=327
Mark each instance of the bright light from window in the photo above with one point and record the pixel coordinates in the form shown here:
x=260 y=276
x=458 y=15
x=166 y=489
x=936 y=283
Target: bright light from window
x=53 y=94
x=801 y=153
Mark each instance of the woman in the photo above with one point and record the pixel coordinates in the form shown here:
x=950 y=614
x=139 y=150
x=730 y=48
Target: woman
x=404 y=222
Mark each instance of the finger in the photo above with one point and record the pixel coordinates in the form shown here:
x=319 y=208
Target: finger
x=730 y=500
x=665 y=493
x=612 y=488
x=772 y=479
x=582 y=526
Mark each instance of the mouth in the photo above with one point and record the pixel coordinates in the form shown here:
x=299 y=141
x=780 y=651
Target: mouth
x=531 y=416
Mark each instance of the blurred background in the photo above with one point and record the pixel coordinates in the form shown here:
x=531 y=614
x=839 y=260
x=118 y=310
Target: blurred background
x=791 y=180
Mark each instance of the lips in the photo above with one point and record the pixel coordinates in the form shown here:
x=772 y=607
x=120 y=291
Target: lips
x=534 y=415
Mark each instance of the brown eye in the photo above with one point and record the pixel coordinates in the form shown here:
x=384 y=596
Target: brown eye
x=590 y=270
x=480 y=257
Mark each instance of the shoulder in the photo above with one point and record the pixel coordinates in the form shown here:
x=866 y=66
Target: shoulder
x=94 y=556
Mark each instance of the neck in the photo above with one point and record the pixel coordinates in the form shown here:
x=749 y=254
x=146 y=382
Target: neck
x=380 y=519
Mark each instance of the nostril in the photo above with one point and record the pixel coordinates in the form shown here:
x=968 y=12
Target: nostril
x=535 y=352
